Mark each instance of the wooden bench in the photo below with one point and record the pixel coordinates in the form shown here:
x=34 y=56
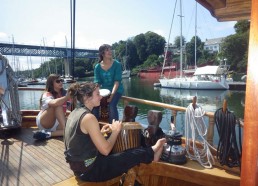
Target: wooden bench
x=125 y=180
x=75 y=181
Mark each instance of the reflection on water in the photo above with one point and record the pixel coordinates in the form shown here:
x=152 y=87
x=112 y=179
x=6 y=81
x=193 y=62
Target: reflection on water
x=144 y=89
x=209 y=100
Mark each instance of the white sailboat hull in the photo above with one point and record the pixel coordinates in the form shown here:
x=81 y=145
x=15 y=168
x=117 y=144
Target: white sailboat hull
x=191 y=83
x=126 y=74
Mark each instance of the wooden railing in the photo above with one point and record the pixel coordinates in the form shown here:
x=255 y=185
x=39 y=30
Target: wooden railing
x=174 y=109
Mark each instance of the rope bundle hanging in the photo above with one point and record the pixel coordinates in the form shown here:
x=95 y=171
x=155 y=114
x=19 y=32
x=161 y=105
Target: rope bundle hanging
x=228 y=150
x=195 y=131
x=10 y=99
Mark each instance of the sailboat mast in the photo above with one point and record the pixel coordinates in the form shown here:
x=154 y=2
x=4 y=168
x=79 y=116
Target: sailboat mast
x=166 y=51
x=195 y=34
x=181 y=42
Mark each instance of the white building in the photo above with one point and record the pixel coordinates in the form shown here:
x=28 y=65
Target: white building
x=213 y=45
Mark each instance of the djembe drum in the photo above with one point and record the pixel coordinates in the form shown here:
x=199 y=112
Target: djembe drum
x=129 y=137
x=105 y=93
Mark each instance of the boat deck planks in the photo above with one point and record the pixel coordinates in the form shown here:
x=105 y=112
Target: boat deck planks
x=25 y=161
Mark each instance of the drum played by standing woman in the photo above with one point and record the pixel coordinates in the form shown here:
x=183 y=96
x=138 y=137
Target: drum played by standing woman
x=105 y=93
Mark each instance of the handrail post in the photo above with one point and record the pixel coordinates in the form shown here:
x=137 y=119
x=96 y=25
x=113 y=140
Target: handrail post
x=210 y=132
x=126 y=102
x=174 y=113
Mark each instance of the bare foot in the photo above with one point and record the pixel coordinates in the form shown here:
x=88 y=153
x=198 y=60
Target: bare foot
x=158 y=148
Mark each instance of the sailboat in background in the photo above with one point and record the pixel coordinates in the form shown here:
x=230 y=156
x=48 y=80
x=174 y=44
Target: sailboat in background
x=125 y=73
x=208 y=77
x=67 y=77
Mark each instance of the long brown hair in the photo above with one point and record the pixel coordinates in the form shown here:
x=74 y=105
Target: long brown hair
x=50 y=87
x=79 y=90
x=102 y=50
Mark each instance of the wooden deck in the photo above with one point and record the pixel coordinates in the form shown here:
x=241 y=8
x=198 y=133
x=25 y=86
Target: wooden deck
x=25 y=161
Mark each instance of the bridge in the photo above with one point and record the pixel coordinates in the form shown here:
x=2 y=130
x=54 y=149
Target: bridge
x=46 y=51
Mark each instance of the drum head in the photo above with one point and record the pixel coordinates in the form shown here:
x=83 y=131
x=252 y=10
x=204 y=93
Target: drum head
x=104 y=92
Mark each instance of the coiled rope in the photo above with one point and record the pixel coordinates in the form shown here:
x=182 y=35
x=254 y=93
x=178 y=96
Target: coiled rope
x=3 y=64
x=195 y=131
x=228 y=150
x=10 y=98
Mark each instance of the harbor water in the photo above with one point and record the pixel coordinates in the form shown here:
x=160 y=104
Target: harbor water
x=209 y=100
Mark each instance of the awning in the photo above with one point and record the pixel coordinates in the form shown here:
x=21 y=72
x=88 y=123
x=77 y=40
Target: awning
x=208 y=70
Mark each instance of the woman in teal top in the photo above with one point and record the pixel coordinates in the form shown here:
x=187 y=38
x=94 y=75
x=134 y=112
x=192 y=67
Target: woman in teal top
x=108 y=74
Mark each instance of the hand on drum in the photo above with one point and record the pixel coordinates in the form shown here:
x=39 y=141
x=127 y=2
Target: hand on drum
x=106 y=129
x=116 y=126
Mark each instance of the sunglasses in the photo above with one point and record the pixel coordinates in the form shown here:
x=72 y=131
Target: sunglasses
x=59 y=80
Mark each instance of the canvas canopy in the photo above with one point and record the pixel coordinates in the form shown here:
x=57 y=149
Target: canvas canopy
x=208 y=70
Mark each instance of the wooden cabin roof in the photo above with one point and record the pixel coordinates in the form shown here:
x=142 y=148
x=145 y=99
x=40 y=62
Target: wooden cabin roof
x=228 y=10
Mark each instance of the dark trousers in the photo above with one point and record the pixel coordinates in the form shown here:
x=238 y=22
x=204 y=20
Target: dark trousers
x=113 y=165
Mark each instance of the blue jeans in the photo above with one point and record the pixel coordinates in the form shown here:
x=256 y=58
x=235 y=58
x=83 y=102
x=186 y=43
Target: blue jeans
x=112 y=109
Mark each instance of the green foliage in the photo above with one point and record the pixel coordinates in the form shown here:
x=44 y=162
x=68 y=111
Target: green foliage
x=141 y=45
x=235 y=49
x=190 y=50
x=242 y=26
x=177 y=41
x=146 y=51
x=155 y=43
x=152 y=61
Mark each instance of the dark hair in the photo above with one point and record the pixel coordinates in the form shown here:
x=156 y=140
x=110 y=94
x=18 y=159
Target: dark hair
x=102 y=49
x=79 y=90
x=50 y=87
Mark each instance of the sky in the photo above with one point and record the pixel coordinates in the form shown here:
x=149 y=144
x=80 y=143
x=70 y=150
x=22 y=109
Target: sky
x=47 y=22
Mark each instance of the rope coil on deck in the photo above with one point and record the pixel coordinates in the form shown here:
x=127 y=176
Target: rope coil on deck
x=228 y=150
x=196 y=129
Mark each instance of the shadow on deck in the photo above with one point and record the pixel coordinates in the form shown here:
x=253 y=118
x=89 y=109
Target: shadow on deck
x=25 y=161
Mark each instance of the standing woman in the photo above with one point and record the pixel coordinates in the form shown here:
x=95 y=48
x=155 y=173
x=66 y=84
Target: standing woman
x=53 y=102
x=108 y=74
x=88 y=151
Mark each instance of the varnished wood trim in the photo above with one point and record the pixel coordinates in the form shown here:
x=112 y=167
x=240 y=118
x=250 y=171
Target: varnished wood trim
x=249 y=172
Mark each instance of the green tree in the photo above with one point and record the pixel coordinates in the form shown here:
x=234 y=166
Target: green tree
x=177 y=41
x=190 y=50
x=79 y=71
x=235 y=47
x=152 y=61
x=242 y=26
x=155 y=43
x=140 y=44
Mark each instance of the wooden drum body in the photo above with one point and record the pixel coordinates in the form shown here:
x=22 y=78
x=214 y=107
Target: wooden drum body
x=129 y=137
x=105 y=93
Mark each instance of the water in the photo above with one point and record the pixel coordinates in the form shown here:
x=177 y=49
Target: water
x=144 y=89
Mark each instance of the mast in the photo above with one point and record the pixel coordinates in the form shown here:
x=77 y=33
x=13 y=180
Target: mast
x=161 y=75
x=72 y=9
x=195 y=34
x=181 y=41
